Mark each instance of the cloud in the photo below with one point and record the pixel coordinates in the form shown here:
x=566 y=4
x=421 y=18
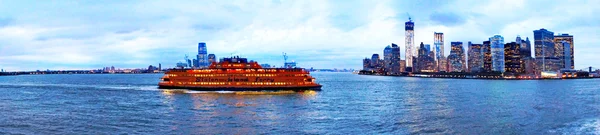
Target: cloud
x=447 y=19
x=315 y=33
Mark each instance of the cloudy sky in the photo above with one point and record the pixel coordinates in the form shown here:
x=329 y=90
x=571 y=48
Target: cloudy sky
x=81 y=34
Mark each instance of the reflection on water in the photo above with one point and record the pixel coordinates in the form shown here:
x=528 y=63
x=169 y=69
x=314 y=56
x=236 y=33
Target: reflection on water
x=235 y=112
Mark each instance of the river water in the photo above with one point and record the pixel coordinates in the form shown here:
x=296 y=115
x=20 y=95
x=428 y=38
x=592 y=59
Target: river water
x=348 y=104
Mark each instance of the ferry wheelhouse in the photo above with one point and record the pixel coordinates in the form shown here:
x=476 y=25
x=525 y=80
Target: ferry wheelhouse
x=238 y=74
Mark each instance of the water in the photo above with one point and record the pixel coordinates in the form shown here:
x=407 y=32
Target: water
x=348 y=104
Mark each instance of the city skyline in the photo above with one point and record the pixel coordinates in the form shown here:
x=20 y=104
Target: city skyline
x=83 y=35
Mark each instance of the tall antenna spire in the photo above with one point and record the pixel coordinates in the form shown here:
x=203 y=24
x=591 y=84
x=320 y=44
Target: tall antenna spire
x=409 y=18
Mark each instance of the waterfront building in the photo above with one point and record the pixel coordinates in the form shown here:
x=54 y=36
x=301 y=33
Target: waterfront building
x=458 y=49
x=159 y=66
x=425 y=62
x=376 y=62
x=475 y=61
x=202 y=57
x=211 y=58
x=525 y=47
x=195 y=63
x=512 y=58
x=402 y=65
x=396 y=57
x=409 y=39
x=558 y=42
x=438 y=49
x=454 y=63
x=529 y=66
x=547 y=64
x=367 y=64
x=567 y=55
x=487 y=56
x=442 y=64
x=497 y=49
x=387 y=59
x=391 y=59
x=415 y=64
x=543 y=41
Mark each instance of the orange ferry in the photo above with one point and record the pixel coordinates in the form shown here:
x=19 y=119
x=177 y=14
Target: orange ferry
x=237 y=74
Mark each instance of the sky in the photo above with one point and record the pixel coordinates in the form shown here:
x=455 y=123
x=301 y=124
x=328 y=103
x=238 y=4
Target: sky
x=90 y=34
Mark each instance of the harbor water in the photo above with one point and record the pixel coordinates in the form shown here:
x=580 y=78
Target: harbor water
x=347 y=104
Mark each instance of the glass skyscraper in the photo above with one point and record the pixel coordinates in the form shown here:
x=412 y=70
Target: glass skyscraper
x=457 y=63
x=497 y=50
x=475 y=61
x=558 y=42
x=202 y=57
x=487 y=56
x=543 y=41
x=438 y=50
x=409 y=38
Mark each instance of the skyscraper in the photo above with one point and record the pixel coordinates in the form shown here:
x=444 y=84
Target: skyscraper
x=497 y=49
x=375 y=62
x=487 y=56
x=457 y=63
x=395 y=59
x=211 y=58
x=201 y=57
x=543 y=41
x=512 y=58
x=558 y=42
x=427 y=47
x=409 y=38
x=424 y=61
x=475 y=63
x=438 y=49
x=367 y=64
x=544 y=50
x=387 y=59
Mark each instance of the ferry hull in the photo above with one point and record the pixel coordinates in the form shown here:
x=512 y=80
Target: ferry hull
x=201 y=88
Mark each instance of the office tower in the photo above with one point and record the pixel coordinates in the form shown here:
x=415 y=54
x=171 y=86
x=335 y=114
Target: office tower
x=442 y=64
x=375 y=62
x=367 y=64
x=567 y=55
x=425 y=61
x=569 y=39
x=195 y=63
x=497 y=49
x=544 y=49
x=457 y=61
x=475 y=63
x=438 y=49
x=402 y=65
x=211 y=58
x=512 y=58
x=428 y=47
x=396 y=59
x=409 y=38
x=544 y=43
x=201 y=57
x=487 y=56
x=391 y=58
x=159 y=66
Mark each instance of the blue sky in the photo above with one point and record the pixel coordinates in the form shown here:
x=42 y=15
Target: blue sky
x=315 y=33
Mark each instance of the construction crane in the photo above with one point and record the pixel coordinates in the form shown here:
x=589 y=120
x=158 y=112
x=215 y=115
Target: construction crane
x=409 y=19
x=285 y=57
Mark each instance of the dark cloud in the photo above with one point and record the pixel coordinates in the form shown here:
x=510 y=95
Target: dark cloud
x=447 y=18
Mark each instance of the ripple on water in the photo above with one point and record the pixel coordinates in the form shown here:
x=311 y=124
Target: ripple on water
x=584 y=126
